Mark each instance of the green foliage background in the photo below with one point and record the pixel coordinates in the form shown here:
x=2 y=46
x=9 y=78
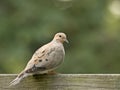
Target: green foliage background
x=92 y=30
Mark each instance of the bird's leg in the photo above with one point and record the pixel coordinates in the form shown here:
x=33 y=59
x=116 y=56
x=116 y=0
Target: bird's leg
x=52 y=73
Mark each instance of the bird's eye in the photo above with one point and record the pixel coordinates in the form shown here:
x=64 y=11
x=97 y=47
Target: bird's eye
x=60 y=36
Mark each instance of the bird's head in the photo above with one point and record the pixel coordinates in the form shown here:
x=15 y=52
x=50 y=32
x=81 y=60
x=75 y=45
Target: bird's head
x=60 y=37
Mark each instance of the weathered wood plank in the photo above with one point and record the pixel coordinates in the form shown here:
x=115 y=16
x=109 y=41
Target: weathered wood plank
x=63 y=82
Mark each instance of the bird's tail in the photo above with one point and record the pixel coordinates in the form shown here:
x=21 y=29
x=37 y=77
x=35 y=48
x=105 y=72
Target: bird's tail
x=18 y=78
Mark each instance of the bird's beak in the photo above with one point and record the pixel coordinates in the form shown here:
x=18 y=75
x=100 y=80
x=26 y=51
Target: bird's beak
x=66 y=41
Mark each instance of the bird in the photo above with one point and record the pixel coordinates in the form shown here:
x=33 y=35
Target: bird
x=45 y=59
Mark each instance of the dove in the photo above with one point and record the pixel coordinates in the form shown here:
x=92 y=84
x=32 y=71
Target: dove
x=46 y=59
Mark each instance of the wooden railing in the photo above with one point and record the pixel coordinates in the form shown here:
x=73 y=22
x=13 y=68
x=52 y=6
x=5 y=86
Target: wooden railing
x=63 y=82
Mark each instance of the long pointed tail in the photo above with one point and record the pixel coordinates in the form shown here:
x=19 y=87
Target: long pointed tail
x=18 y=78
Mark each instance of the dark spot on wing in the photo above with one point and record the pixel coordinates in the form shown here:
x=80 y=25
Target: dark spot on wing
x=43 y=51
x=35 y=60
x=40 y=60
x=46 y=59
x=35 y=69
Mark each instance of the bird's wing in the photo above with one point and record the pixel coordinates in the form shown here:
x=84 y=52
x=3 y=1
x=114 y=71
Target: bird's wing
x=39 y=60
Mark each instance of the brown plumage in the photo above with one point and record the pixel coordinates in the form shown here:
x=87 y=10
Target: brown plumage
x=45 y=59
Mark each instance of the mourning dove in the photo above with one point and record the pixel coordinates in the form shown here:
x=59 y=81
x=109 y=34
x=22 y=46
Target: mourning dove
x=45 y=59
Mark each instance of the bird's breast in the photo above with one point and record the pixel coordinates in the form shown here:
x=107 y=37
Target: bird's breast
x=56 y=56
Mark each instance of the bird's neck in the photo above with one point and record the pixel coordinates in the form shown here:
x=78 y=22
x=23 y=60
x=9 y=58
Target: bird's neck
x=57 y=41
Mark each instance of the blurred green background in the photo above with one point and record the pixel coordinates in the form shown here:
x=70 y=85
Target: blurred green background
x=92 y=27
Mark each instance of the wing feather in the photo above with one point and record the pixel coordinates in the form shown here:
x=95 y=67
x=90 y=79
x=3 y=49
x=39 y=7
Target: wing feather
x=45 y=59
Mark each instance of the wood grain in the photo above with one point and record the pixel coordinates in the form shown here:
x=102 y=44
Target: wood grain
x=63 y=82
